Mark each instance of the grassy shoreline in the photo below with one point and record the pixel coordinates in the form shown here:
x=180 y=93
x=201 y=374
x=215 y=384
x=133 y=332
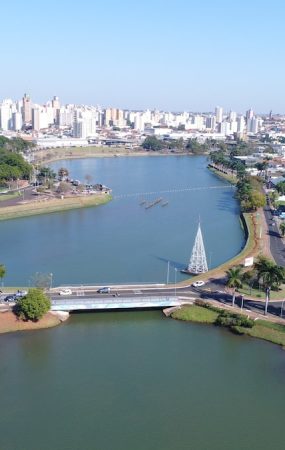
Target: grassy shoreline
x=267 y=330
x=52 y=206
x=57 y=154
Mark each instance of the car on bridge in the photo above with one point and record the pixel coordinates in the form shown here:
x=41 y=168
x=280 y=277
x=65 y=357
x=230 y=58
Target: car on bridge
x=104 y=290
x=65 y=292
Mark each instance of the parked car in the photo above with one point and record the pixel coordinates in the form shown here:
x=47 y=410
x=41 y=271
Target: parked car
x=65 y=292
x=104 y=290
x=10 y=298
x=198 y=283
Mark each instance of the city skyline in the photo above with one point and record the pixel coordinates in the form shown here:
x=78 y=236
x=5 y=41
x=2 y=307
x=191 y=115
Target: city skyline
x=176 y=57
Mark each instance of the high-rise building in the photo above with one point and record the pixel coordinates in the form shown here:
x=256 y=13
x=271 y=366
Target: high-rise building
x=84 y=124
x=27 y=109
x=17 y=121
x=219 y=114
x=249 y=114
x=211 y=123
x=6 y=114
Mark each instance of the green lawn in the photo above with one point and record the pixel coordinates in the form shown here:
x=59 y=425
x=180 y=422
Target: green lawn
x=4 y=197
x=262 y=329
x=278 y=295
x=269 y=331
x=195 y=313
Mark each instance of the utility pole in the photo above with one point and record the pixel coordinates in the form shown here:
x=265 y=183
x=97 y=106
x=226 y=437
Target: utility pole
x=167 y=276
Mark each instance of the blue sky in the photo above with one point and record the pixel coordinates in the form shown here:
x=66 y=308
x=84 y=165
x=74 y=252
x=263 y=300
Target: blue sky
x=173 y=55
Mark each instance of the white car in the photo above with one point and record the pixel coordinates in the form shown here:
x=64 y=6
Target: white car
x=65 y=292
x=198 y=283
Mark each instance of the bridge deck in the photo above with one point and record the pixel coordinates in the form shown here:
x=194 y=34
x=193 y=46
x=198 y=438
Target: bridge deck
x=77 y=304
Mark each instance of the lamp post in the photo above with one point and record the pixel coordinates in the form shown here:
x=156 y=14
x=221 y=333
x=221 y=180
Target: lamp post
x=281 y=312
x=175 y=280
x=51 y=275
x=167 y=275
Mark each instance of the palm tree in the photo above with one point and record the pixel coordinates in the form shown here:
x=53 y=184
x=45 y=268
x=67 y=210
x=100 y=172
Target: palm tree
x=2 y=272
x=234 y=280
x=270 y=274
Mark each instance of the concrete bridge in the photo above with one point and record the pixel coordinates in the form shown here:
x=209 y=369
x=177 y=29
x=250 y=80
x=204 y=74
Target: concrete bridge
x=89 y=303
x=121 y=297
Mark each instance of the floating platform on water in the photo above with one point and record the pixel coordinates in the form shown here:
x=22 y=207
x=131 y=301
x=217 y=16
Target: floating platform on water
x=155 y=202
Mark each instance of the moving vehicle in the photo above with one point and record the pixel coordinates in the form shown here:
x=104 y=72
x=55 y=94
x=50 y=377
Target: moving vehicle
x=198 y=283
x=104 y=290
x=65 y=292
x=20 y=294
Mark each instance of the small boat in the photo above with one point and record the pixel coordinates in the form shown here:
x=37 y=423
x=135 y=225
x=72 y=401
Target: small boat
x=143 y=202
x=164 y=204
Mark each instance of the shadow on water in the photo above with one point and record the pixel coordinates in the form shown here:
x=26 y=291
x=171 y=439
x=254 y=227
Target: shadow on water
x=172 y=264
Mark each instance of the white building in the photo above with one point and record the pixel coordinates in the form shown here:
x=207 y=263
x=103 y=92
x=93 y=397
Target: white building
x=6 y=114
x=17 y=121
x=219 y=114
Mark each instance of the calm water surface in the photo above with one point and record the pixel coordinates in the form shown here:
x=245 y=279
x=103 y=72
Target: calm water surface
x=134 y=380
x=122 y=241
x=138 y=381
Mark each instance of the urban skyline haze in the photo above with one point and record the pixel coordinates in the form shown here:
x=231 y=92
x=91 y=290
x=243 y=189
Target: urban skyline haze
x=169 y=55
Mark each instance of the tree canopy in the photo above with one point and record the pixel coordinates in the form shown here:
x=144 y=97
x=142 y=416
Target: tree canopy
x=13 y=166
x=33 y=306
x=152 y=143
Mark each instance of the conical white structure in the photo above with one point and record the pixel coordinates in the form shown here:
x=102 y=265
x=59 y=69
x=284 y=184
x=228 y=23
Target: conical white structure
x=198 y=260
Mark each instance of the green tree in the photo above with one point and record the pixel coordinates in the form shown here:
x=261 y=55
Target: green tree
x=281 y=187
x=2 y=272
x=152 y=143
x=234 y=280
x=33 y=306
x=282 y=228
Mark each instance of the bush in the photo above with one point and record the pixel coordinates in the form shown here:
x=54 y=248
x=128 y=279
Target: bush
x=227 y=319
x=33 y=306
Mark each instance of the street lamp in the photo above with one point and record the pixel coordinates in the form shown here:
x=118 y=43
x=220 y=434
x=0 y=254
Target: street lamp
x=167 y=276
x=281 y=312
x=51 y=275
x=175 y=280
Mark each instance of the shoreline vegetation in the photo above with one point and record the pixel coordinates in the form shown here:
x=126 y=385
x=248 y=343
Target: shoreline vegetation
x=249 y=325
x=52 y=205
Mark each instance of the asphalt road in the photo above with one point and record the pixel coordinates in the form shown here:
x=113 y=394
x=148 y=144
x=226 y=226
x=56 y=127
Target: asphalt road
x=189 y=292
x=277 y=247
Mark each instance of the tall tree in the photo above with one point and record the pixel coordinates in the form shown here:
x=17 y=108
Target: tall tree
x=234 y=280
x=270 y=275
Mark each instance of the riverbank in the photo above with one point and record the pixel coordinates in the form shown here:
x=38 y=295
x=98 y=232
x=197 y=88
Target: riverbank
x=52 y=205
x=9 y=322
x=272 y=330
x=57 y=154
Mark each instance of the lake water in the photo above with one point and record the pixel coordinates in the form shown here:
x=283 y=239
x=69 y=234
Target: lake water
x=122 y=241
x=138 y=381
x=134 y=380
